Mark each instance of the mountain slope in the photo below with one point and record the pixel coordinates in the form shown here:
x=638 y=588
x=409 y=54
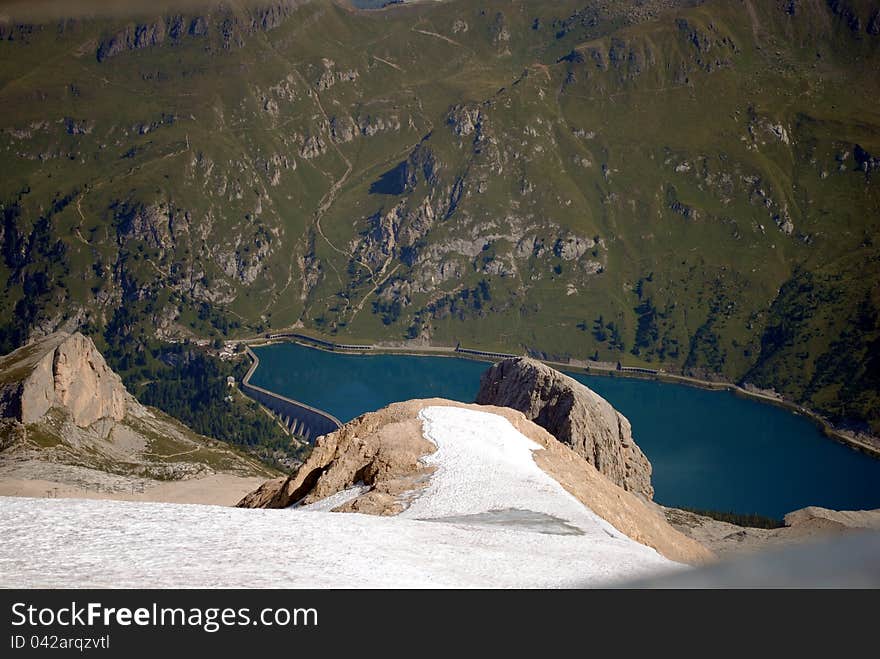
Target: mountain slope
x=468 y=464
x=491 y=512
x=70 y=427
x=685 y=185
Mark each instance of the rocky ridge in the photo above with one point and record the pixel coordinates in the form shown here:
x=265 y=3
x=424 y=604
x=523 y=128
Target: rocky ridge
x=804 y=525
x=381 y=454
x=67 y=420
x=573 y=414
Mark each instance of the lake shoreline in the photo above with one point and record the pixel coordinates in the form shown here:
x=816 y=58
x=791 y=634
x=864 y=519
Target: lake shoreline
x=870 y=445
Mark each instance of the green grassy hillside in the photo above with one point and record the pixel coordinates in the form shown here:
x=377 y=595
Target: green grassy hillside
x=687 y=185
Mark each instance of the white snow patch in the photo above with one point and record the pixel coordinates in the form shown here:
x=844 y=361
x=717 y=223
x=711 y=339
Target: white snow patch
x=71 y=543
x=484 y=468
x=483 y=464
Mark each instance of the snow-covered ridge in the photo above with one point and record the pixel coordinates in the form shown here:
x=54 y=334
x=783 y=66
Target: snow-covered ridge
x=484 y=464
x=489 y=517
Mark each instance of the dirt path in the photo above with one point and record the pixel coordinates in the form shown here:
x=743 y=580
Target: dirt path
x=376 y=286
x=438 y=36
x=385 y=61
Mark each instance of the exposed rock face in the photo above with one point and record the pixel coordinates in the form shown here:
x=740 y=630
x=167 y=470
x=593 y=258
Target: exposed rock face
x=382 y=451
x=229 y=24
x=85 y=385
x=154 y=224
x=67 y=422
x=65 y=371
x=574 y=414
x=866 y=162
x=466 y=120
x=805 y=525
x=572 y=248
x=313 y=147
x=132 y=37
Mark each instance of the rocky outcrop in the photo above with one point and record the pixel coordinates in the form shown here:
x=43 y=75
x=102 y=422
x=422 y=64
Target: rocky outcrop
x=132 y=37
x=571 y=248
x=313 y=146
x=84 y=385
x=874 y=23
x=467 y=120
x=865 y=161
x=816 y=518
x=574 y=414
x=381 y=451
x=67 y=422
x=805 y=525
x=155 y=224
x=229 y=24
x=330 y=76
x=78 y=127
x=66 y=371
x=379 y=457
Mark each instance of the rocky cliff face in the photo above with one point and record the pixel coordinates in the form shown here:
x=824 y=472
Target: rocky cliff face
x=63 y=370
x=67 y=421
x=574 y=414
x=376 y=464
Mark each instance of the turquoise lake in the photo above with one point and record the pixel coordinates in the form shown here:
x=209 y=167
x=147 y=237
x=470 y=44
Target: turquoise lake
x=710 y=450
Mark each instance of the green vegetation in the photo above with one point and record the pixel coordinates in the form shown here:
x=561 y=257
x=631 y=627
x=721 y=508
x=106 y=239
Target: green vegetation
x=190 y=385
x=42 y=438
x=677 y=185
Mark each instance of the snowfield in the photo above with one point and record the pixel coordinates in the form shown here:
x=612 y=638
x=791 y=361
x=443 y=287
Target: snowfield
x=485 y=464
x=490 y=517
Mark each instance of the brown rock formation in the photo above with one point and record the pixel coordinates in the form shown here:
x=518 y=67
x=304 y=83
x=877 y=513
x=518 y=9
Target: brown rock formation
x=85 y=385
x=68 y=424
x=805 y=525
x=817 y=518
x=383 y=450
x=63 y=370
x=574 y=414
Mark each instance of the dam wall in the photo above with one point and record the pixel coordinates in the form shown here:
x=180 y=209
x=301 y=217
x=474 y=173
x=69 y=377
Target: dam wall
x=300 y=419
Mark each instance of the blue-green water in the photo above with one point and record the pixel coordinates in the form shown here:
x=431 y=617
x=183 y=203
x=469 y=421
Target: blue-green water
x=709 y=449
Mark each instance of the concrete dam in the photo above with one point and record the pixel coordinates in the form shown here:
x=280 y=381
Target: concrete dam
x=300 y=419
